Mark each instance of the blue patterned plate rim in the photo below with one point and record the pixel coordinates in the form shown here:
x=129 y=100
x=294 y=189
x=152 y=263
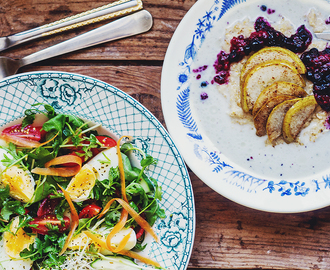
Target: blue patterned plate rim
x=121 y=114
x=200 y=153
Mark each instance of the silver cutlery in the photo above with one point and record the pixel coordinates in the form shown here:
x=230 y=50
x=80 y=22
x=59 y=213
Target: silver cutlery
x=109 y=11
x=129 y=25
x=324 y=35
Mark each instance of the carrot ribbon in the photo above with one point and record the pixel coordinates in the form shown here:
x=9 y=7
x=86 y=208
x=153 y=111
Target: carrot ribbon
x=74 y=220
x=143 y=223
x=60 y=171
x=128 y=253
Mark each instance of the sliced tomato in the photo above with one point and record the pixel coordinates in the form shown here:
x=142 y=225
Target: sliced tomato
x=139 y=232
x=47 y=206
x=106 y=141
x=44 y=223
x=90 y=211
x=29 y=132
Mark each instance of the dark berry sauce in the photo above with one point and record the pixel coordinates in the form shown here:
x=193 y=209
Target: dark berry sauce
x=264 y=35
x=318 y=71
x=204 y=96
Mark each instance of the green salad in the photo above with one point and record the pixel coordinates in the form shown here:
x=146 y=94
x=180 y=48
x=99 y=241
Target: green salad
x=72 y=198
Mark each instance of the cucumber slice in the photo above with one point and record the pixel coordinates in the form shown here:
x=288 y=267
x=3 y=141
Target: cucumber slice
x=147 y=184
x=114 y=263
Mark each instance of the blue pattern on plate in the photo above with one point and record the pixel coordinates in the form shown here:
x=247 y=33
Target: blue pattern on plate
x=239 y=179
x=121 y=114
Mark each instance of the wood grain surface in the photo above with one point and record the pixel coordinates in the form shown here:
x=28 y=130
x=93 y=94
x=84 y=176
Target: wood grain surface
x=228 y=235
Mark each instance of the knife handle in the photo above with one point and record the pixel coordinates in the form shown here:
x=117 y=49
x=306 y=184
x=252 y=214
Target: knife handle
x=109 y=11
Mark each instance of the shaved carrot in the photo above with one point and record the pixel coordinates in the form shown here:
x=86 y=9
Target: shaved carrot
x=128 y=253
x=95 y=239
x=64 y=159
x=121 y=170
x=123 y=242
x=143 y=223
x=117 y=228
x=137 y=256
x=74 y=220
x=61 y=171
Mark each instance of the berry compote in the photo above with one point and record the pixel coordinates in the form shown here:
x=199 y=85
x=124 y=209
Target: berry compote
x=264 y=35
x=318 y=71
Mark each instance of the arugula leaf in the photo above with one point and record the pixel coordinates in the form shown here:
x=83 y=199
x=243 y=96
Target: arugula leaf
x=130 y=173
x=10 y=207
x=55 y=124
x=45 y=249
x=29 y=118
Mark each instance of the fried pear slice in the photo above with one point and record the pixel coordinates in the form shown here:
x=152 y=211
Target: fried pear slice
x=277 y=89
x=296 y=117
x=272 y=53
x=276 y=117
x=264 y=75
x=260 y=119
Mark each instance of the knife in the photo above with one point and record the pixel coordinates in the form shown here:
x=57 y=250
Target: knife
x=109 y=11
x=324 y=35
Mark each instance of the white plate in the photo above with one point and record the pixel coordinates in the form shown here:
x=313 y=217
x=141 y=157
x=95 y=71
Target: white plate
x=229 y=157
x=91 y=99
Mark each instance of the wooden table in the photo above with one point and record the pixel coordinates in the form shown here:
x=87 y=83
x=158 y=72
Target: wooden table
x=228 y=235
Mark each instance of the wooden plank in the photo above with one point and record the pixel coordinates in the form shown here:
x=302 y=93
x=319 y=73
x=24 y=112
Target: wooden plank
x=18 y=15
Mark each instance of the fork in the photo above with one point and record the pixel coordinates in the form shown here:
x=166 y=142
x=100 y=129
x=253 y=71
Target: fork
x=130 y=25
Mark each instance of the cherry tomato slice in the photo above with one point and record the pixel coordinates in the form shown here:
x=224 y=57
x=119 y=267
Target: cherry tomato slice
x=50 y=220
x=29 y=132
x=47 y=206
x=106 y=141
x=139 y=233
x=90 y=211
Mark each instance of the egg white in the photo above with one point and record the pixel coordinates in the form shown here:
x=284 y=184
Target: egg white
x=12 y=264
x=80 y=241
x=28 y=183
x=103 y=162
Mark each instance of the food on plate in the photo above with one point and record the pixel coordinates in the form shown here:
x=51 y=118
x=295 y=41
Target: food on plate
x=260 y=119
x=264 y=75
x=72 y=198
x=264 y=36
x=275 y=119
x=277 y=89
x=272 y=53
x=271 y=63
x=297 y=116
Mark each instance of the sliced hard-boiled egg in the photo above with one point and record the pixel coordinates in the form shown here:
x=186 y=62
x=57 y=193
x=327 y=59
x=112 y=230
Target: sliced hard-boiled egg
x=16 y=240
x=20 y=181
x=81 y=184
x=81 y=240
x=118 y=237
x=103 y=161
x=98 y=167
x=8 y=263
